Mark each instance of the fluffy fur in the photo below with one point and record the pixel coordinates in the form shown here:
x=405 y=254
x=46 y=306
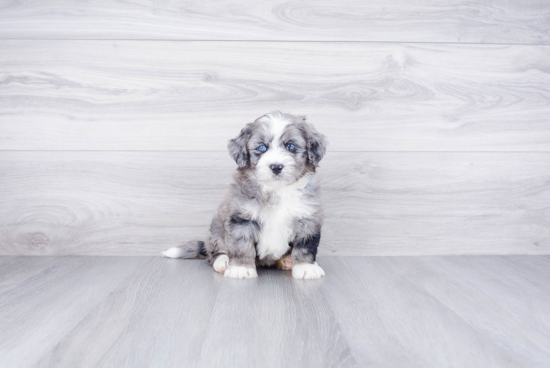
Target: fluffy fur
x=272 y=213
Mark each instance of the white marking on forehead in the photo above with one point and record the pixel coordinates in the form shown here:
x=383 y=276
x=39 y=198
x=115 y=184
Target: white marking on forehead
x=277 y=127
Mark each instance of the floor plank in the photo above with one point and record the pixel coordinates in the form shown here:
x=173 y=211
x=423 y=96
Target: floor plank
x=466 y=21
x=490 y=311
x=154 y=317
x=285 y=323
x=391 y=321
x=195 y=96
x=16 y=270
x=507 y=303
x=38 y=311
x=141 y=203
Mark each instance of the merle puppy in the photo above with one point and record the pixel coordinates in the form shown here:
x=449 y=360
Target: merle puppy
x=272 y=213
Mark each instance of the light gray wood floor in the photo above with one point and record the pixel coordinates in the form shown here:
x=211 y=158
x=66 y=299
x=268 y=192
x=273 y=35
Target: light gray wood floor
x=461 y=311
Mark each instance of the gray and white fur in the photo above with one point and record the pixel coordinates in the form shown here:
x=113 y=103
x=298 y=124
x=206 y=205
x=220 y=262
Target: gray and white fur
x=272 y=214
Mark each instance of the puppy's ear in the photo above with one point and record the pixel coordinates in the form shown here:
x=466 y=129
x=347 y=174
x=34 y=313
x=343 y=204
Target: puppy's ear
x=237 y=147
x=316 y=145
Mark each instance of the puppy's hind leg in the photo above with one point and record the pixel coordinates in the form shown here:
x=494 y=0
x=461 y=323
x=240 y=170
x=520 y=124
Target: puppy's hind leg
x=221 y=263
x=285 y=263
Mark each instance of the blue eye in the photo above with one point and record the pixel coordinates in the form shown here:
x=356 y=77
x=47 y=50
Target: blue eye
x=262 y=148
x=290 y=146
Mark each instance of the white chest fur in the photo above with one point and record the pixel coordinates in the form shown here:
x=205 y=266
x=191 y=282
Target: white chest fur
x=277 y=218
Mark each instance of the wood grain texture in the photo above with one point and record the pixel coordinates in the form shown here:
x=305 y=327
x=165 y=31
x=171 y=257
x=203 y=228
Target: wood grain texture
x=282 y=323
x=400 y=203
x=156 y=317
x=513 y=21
x=485 y=286
x=441 y=311
x=194 y=96
x=39 y=308
x=367 y=312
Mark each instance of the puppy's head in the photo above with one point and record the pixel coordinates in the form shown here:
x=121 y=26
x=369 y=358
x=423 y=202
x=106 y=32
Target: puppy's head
x=278 y=148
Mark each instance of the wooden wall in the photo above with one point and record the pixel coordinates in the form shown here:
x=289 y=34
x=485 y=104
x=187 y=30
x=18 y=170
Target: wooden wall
x=114 y=118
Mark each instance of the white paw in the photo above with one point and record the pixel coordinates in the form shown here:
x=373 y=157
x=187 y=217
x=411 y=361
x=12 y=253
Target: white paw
x=240 y=272
x=220 y=264
x=310 y=271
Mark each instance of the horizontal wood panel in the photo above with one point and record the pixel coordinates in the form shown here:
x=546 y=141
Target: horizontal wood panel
x=194 y=96
x=139 y=203
x=512 y=21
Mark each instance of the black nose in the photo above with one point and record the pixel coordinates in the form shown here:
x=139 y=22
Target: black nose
x=276 y=168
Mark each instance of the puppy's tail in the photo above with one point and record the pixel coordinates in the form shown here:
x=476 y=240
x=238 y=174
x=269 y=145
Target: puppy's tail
x=192 y=249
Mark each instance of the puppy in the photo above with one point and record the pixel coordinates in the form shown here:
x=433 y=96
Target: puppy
x=272 y=215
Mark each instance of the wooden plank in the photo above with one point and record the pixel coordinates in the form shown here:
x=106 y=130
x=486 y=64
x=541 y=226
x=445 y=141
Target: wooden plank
x=506 y=302
x=400 y=203
x=273 y=321
x=438 y=311
x=154 y=317
x=367 y=311
x=40 y=310
x=194 y=96
x=437 y=203
x=484 y=21
x=16 y=270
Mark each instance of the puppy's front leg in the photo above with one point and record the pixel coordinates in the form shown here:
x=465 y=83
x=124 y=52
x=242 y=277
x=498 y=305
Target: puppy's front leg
x=304 y=252
x=240 y=248
x=241 y=269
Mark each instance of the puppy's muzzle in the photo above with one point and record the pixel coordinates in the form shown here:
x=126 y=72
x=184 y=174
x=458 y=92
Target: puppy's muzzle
x=276 y=168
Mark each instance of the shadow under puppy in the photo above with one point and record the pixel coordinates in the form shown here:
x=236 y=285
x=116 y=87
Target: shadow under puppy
x=272 y=214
